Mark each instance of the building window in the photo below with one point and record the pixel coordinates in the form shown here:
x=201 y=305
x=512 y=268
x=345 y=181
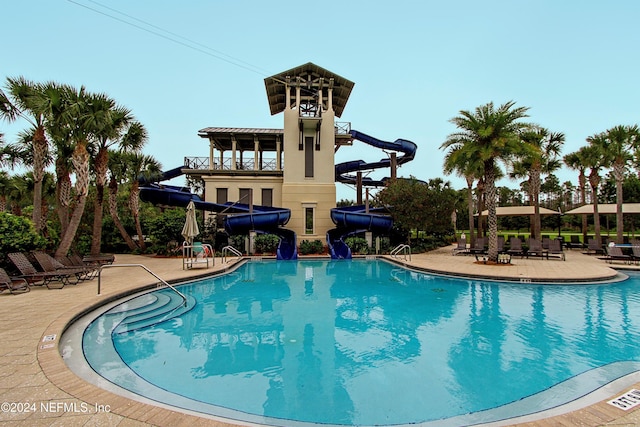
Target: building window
x=245 y=196
x=308 y=156
x=267 y=197
x=308 y=221
x=222 y=195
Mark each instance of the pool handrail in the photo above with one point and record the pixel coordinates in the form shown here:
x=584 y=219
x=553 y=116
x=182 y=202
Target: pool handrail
x=401 y=248
x=231 y=249
x=184 y=298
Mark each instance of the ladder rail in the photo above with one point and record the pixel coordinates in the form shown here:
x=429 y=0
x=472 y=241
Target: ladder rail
x=401 y=248
x=184 y=298
x=231 y=249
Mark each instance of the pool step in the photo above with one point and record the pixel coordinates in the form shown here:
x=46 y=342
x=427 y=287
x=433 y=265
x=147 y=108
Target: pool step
x=166 y=306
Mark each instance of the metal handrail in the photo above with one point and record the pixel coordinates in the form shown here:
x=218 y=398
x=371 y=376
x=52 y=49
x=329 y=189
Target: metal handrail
x=402 y=248
x=232 y=250
x=184 y=298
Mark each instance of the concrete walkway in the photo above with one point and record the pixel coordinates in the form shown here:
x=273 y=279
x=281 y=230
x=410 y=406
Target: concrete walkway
x=37 y=389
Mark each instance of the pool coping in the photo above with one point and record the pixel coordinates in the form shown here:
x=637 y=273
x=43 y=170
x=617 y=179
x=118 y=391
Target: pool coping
x=58 y=373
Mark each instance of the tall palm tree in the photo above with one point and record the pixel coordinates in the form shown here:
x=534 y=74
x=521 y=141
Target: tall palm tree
x=109 y=134
x=118 y=165
x=85 y=118
x=31 y=101
x=593 y=158
x=140 y=165
x=542 y=158
x=492 y=135
x=576 y=161
x=470 y=168
x=619 y=144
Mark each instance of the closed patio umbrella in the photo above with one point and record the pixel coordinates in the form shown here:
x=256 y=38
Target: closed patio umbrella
x=190 y=229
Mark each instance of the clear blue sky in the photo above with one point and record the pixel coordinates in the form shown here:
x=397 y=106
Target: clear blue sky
x=415 y=64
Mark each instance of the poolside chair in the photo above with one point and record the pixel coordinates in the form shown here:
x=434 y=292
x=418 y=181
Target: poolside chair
x=461 y=248
x=594 y=247
x=515 y=247
x=102 y=259
x=91 y=269
x=51 y=265
x=545 y=242
x=635 y=253
x=33 y=276
x=500 y=244
x=536 y=249
x=575 y=242
x=555 y=248
x=614 y=253
x=15 y=285
x=479 y=246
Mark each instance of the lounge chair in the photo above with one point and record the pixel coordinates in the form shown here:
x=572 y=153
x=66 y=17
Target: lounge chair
x=515 y=247
x=635 y=257
x=575 y=242
x=91 y=270
x=102 y=259
x=15 y=285
x=536 y=249
x=555 y=248
x=51 y=265
x=500 y=244
x=461 y=248
x=594 y=247
x=614 y=253
x=479 y=246
x=33 y=276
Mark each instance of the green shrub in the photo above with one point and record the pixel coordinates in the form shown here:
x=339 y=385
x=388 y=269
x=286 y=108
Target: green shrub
x=358 y=245
x=311 y=247
x=17 y=234
x=266 y=243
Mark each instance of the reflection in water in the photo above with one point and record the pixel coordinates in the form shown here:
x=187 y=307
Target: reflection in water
x=364 y=342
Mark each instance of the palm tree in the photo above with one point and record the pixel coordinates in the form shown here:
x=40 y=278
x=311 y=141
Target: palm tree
x=31 y=101
x=593 y=158
x=470 y=169
x=492 y=135
x=576 y=161
x=619 y=144
x=140 y=165
x=110 y=134
x=118 y=166
x=84 y=118
x=541 y=159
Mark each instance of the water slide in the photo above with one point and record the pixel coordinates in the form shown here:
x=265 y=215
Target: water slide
x=241 y=218
x=356 y=219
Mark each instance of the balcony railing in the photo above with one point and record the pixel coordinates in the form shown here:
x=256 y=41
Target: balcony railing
x=202 y=163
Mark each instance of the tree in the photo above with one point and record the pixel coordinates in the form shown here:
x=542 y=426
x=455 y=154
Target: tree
x=85 y=115
x=111 y=132
x=577 y=161
x=542 y=158
x=463 y=164
x=593 y=159
x=492 y=135
x=117 y=171
x=618 y=144
x=139 y=165
x=32 y=102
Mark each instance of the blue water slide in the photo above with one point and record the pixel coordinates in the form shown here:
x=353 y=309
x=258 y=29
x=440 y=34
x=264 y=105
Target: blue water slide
x=355 y=219
x=241 y=218
x=404 y=146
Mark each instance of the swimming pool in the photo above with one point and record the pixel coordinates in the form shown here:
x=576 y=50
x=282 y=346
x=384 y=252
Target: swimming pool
x=367 y=343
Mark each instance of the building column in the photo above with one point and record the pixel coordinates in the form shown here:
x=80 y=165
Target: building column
x=278 y=154
x=211 y=155
x=234 y=144
x=256 y=150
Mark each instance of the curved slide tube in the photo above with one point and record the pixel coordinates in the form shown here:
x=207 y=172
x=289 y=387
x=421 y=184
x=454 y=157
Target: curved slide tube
x=352 y=220
x=355 y=219
x=263 y=219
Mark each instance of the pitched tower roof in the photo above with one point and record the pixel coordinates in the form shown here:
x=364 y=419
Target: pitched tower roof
x=309 y=76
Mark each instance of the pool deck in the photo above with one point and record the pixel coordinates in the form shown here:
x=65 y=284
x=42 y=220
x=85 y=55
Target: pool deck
x=38 y=389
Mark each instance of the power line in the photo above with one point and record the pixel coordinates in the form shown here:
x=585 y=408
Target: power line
x=191 y=44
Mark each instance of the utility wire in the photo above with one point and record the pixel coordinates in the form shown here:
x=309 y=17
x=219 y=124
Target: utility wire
x=191 y=44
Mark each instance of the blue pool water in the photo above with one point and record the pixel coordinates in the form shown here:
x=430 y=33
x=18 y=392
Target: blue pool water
x=367 y=343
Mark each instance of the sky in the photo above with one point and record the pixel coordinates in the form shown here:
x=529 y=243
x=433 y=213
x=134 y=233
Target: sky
x=183 y=66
